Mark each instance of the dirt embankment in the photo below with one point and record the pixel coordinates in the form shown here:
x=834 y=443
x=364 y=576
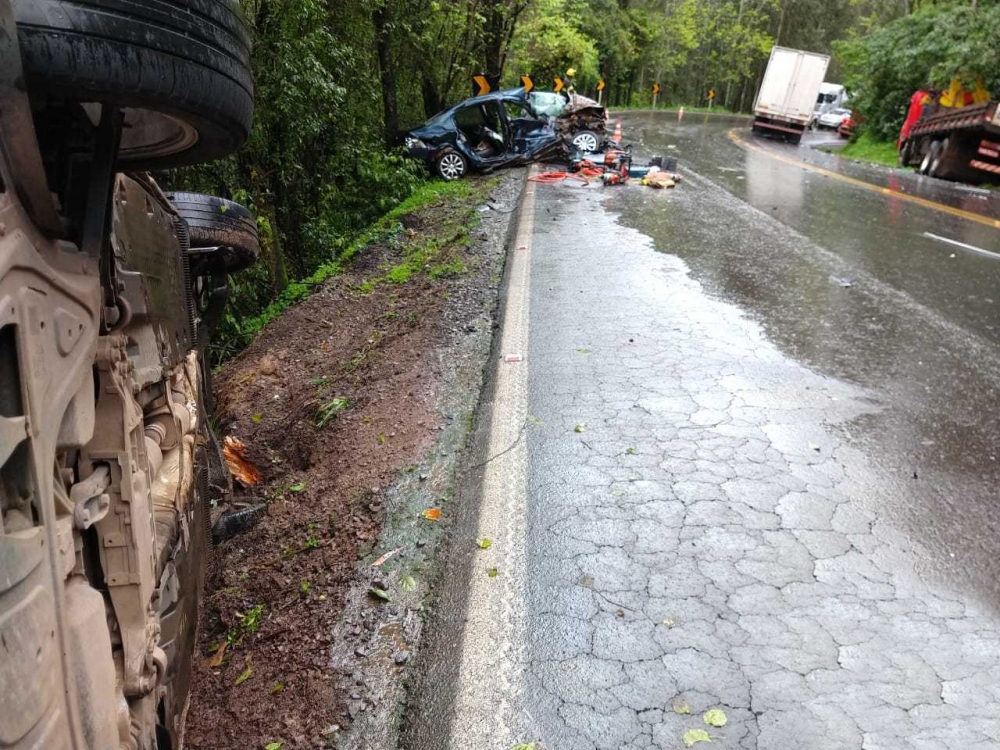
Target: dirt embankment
x=353 y=405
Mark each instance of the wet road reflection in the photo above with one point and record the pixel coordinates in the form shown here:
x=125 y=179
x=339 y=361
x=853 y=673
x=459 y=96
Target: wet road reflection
x=861 y=286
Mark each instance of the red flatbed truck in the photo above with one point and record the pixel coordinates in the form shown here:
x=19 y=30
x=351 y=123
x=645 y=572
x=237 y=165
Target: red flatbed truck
x=952 y=143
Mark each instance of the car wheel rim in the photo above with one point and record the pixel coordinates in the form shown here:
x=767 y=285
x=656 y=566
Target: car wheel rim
x=452 y=167
x=586 y=142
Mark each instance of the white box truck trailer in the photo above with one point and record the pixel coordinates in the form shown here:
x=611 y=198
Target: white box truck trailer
x=787 y=97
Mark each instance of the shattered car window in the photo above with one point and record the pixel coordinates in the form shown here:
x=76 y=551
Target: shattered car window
x=516 y=112
x=546 y=103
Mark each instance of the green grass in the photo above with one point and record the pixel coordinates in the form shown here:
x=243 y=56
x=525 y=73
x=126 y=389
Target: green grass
x=866 y=148
x=424 y=195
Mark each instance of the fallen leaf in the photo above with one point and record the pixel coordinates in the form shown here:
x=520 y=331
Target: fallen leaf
x=630 y=451
x=814 y=447
x=693 y=736
x=408 y=583
x=234 y=452
x=385 y=557
x=680 y=705
x=380 y=593
x=278 y=687
x=484 y=543
x=432 y=514
x=255 y=418
x=492 y=572
x=584 y=351
x=532 y=419
x=220 y=653
x=715 y=717
x=274 y=746
x=297 y=487
x=244 y=675
x=669 y=622
x=580 y=428
x=525 y=746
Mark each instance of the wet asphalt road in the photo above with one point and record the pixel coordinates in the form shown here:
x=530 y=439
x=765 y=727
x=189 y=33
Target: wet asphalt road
x=748 y=462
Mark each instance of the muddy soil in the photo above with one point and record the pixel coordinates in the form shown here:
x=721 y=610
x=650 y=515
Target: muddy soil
x=346 y=403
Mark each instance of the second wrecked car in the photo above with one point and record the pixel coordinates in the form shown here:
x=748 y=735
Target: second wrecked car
x=507 y=128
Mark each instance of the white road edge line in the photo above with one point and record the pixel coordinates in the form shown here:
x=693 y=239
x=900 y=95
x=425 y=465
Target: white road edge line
x=962 y=245
x=489 y=712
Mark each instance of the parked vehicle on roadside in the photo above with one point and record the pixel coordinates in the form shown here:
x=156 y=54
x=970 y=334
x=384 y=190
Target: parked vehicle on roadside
x=954 y=137
x=785 y=104
x=109 y=290
x=832 y=96
x=507 y=128
x=846 y=127
x=832 y=120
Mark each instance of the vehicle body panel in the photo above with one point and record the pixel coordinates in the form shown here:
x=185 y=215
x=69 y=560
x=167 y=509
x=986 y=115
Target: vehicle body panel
x=789 y=90
x=833 y=118
x=831 y=96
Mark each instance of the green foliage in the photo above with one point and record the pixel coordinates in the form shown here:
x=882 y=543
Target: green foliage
x=554 y=38
x=928 y=48
x=866 y=148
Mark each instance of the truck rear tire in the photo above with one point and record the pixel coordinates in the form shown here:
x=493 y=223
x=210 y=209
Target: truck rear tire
x=181 y=71
x=932 y=156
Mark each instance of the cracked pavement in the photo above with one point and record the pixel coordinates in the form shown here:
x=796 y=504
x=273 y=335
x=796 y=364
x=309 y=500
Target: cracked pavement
x=710 y=533
x=712 y=523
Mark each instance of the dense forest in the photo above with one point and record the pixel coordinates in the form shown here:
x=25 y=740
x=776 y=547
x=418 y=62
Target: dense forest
x=339 y=80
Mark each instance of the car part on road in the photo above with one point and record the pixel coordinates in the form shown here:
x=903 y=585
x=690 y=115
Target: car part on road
x=219 y=229
x=180 y=71
x=235 y=522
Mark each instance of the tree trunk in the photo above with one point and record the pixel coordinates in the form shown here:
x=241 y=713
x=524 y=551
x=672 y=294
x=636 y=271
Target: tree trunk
x=382 y=20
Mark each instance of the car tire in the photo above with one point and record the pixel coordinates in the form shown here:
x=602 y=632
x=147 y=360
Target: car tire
x=219 y=223
x=587 y=141
x=451 y=165
x=180 y=71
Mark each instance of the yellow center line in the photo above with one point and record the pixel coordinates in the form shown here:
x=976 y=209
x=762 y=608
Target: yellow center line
x=933 y=205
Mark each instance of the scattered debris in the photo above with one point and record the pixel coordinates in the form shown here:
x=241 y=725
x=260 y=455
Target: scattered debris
x=492 y=572
x=715 y=717
x=432 y=514
x=484 y=543
x=386 y=556
x=693 y=736
x=234 y=452
x=680 y=706
x=380 y=593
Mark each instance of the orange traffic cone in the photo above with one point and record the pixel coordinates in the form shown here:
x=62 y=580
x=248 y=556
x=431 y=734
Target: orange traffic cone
x=617 y=137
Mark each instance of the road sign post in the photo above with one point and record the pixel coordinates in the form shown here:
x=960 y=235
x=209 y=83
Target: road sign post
x=600 y=90
x=656 y=93
x=527 y=83
x=557 y=84
x=711 y=97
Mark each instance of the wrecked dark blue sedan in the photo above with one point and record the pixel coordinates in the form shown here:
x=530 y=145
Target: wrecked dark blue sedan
x=507 y=128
